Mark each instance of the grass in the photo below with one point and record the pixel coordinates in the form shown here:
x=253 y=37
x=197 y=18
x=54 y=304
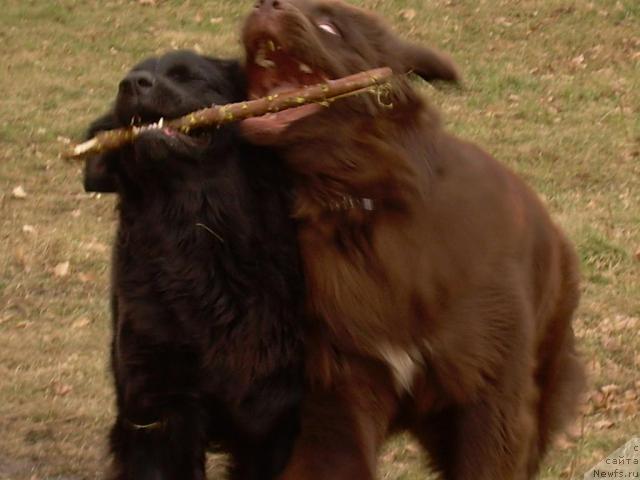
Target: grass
x=552 y=89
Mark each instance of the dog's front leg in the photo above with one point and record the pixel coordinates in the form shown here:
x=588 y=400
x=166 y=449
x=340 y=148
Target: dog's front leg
x=159 y=432
x=169 y=449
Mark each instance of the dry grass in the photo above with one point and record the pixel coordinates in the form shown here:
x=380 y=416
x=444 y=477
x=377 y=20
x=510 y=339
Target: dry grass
x=552 y=89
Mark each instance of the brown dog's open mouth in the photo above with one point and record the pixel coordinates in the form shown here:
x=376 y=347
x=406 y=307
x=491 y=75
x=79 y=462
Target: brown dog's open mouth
x=272 y=70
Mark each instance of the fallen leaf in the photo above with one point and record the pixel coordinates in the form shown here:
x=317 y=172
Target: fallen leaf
x=19 y=192
x=62 y=269
x=603 y=424
x=86 y=277
x=612 y=343
x=578 y=61
x=631 y=407
x=598 y=400
x=61 y=389
x=96 y=247
x=587 y=409
x=81 y=323
x=563 y=443
x=594 y=367
x=216 y=20
x=29 y=229
x=574 y=431
x=408 y=14
x=22 y=258
x=623 y=322
x=503 y=21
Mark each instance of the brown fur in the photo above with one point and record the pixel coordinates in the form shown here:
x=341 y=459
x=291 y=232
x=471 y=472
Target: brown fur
x=445 y=311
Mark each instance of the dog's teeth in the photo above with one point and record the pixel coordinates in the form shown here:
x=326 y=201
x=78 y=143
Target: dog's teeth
x=160 y=122
x=262 y=60
x=271 y=45
x=265 y=63
x=305 y=68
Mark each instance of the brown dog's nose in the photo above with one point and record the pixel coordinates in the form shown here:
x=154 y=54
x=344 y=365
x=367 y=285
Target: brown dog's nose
x=270 y=4
x=137 y=82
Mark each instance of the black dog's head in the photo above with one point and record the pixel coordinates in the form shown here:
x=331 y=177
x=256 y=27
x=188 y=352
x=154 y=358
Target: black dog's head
x=165 y=87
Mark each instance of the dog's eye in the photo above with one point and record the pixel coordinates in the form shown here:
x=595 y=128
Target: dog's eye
x=180 y=73
x=328 y=27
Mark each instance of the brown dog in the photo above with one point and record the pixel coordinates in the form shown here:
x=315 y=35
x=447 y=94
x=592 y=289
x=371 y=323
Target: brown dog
x=442 y=291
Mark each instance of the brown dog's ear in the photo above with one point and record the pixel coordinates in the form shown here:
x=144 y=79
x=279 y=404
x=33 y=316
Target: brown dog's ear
x=428 y=63
x=98 y=170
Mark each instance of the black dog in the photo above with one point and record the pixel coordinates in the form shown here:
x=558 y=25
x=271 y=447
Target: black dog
x=207 y=332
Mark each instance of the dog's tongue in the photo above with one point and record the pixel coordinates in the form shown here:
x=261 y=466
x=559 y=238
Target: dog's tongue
x=268 y=129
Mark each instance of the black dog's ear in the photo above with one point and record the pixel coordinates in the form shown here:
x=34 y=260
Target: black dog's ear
x=428 y=63
x=234 y=75
x=98 y=174
x=98 y=169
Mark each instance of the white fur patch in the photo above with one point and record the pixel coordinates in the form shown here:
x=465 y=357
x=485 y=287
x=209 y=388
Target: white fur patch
x=404 y=364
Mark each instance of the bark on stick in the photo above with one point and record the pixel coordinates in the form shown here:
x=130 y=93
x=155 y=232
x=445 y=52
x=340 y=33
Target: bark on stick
x=217 y=115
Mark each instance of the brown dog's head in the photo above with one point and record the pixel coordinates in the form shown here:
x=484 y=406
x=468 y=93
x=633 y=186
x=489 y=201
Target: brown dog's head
x=292 y=43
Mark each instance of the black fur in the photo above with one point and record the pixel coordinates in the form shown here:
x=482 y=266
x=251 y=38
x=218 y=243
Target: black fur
x=207 y=329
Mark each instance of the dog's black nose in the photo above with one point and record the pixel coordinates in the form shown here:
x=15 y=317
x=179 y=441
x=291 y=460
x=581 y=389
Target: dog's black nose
x=270 y=4
x=138 y=82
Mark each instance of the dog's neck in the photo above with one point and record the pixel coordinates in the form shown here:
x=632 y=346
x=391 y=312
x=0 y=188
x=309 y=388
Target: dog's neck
x=187 y=207
x=368 y=166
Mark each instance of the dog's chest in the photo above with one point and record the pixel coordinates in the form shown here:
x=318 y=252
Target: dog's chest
x=363 y=290
x=172 y=259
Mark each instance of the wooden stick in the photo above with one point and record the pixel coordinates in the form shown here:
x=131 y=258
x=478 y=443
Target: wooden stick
x=217 y=115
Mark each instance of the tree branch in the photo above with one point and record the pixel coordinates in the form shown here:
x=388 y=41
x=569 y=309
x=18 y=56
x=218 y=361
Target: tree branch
x=217 y=115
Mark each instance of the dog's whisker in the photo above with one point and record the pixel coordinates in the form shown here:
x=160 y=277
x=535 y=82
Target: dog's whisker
x=202 y=225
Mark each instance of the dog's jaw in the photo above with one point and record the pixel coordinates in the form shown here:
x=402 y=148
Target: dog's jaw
x=271 y=70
